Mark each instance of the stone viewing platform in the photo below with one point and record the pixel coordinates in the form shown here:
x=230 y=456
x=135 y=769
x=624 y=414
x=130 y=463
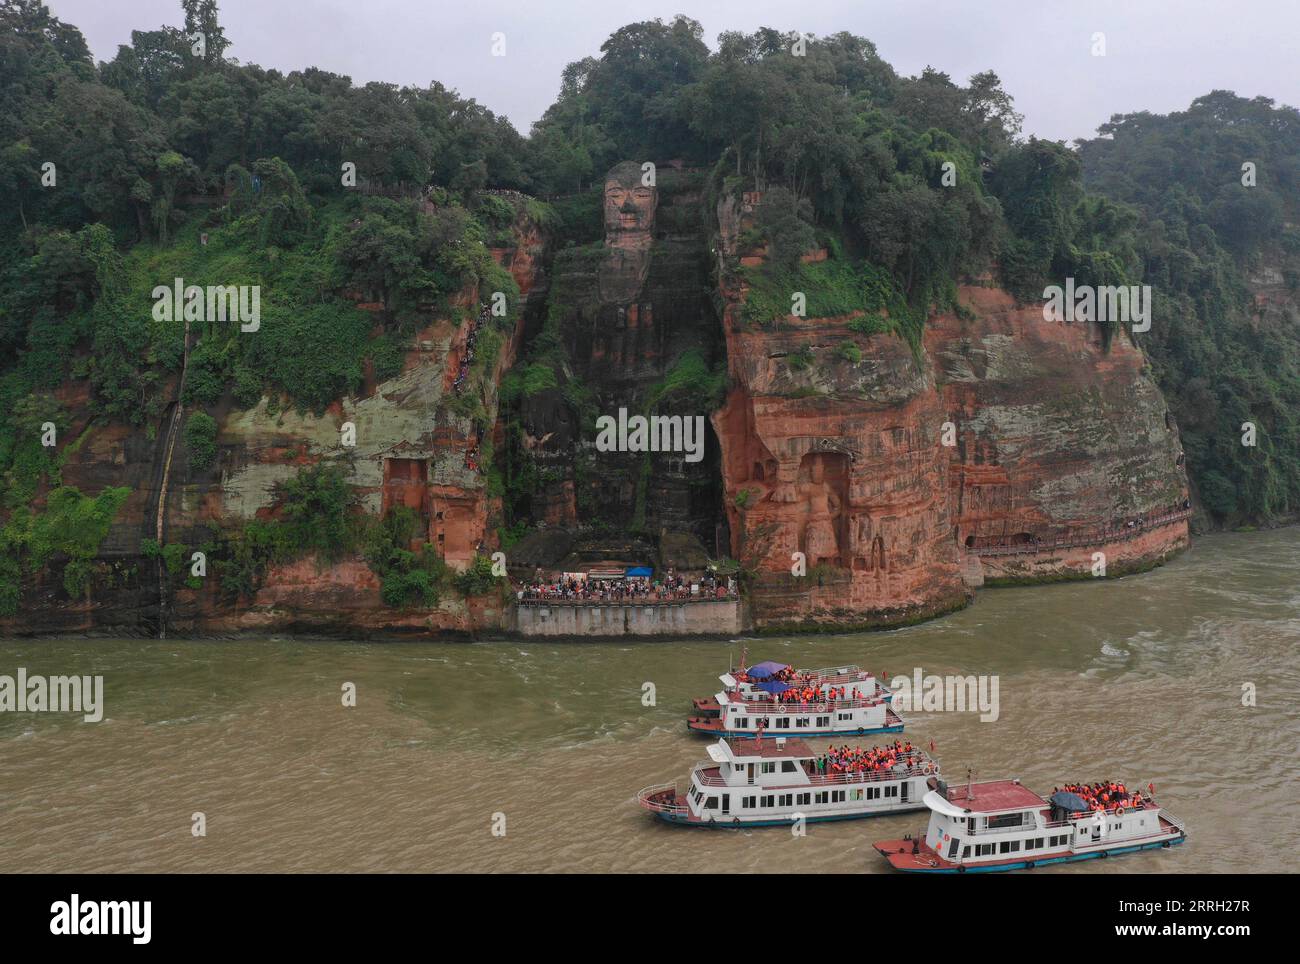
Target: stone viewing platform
x=651 y=617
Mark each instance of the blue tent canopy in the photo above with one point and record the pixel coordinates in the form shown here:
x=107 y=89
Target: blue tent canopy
x=772 y=686
x=766 y=670
x=639 y=572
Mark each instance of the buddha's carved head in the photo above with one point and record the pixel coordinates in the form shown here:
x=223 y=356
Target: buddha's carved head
x=629 y=207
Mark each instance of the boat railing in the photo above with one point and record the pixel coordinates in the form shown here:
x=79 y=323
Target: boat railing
x=824 y=706
x=841 y=674
x=701 y=769
x=1179 y=824
x=923 y=767
x=1087 y=815
x=647 y=798
x=874 y=776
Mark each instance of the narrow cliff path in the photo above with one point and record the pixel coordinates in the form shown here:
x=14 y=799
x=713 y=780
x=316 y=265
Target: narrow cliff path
x=169 y=448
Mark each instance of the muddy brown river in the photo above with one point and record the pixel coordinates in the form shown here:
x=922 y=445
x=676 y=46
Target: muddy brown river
x=1137 y=679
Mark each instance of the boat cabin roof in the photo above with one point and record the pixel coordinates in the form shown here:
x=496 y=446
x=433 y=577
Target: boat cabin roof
x=768 y=748
x=990 y=797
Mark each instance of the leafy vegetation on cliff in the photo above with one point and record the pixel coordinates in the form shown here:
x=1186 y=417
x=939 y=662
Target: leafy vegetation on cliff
x=71 y=529
x=161 y=165
x=1221 y=360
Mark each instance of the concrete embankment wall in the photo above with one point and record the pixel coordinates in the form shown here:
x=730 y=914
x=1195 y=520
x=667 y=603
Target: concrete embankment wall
x=720 y=618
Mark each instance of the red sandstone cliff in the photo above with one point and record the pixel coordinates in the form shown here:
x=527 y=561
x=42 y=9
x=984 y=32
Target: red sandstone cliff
x=1057 y=443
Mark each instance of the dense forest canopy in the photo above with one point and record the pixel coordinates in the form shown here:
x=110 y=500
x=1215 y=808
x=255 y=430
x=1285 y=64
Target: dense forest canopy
x=913 y=182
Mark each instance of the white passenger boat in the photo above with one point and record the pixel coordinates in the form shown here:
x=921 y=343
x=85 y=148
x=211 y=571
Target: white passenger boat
x=805 y=710
x=1002 y=825
x=774 y=781
x=763 y=678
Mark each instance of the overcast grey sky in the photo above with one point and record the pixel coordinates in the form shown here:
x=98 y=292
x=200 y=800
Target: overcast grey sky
x=1160 y=54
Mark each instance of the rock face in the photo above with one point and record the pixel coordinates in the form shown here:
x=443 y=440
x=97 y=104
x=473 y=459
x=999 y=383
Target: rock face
x=866 y=486
x=620 y=317
x=1059 y=436
x=411 y=448
x=1004 y=450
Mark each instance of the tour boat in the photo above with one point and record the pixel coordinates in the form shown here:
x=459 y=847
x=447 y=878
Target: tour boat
x=775 y=781
x=752 y=680
x=745 y=708
x=1002 y=825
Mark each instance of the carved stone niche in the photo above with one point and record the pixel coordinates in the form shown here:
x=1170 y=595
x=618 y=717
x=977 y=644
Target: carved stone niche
x=838 y=445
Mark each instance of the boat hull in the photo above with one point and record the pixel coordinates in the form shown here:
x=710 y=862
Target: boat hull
x=686 y=820
x=905 y=866
x=802 y=734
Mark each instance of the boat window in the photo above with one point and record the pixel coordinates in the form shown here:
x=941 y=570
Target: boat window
x=768 y=767
x=787 y=766
x=712 y=803
x=769 y=800
x=1003 y=821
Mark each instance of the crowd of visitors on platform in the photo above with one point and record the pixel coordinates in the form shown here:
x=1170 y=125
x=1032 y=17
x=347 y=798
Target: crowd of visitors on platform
x=878 y=759
x=1106 y=795
x=580 y=588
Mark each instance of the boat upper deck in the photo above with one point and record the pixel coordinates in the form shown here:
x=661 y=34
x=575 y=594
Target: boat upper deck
x=773 y=748
x=777 y=706
x=994 y=796
x=916 y=764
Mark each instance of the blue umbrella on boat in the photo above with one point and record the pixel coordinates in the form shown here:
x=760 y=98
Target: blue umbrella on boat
x=772 y=686
x=1069 y=802
x=765 y=670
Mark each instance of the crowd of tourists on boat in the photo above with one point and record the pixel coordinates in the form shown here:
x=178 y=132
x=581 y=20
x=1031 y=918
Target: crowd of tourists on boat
x=786 y=674
x=1104 y=796
x=808 y=694
x=471 y=341
x=629 y=589
x=847 y=759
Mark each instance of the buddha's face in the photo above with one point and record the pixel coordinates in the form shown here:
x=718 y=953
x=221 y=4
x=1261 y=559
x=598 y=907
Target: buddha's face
x=629 y=208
